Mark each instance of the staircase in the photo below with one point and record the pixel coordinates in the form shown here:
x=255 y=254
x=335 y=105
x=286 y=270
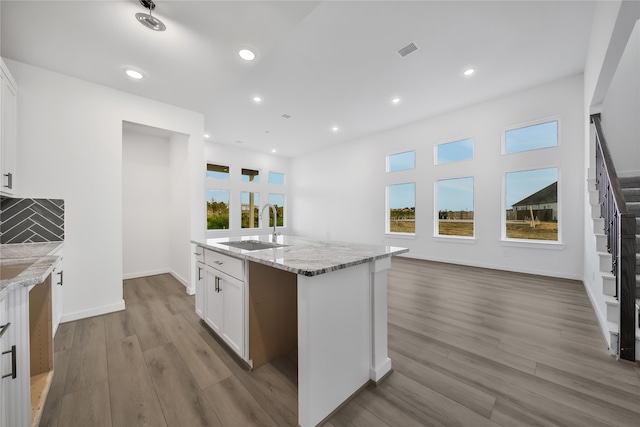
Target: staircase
x=631 y=191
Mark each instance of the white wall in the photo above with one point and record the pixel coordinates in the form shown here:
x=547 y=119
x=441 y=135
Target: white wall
x=70 y=147
x=339 y=192
x=621 y=110
x=146 y=204
x=613 y=25
x=237 y=158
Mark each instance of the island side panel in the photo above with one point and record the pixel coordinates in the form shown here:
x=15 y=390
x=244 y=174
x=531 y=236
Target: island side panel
x=380 y=362
x=334 y=340
x=272 y=313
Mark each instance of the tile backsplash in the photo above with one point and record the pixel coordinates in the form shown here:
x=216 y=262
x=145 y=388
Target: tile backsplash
x=31 y=220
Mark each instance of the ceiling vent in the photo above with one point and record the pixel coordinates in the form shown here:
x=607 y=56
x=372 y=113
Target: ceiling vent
x=286 y=116
x=410 y=48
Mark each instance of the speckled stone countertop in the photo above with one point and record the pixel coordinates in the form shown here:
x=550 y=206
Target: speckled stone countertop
x=36 y=258
x=304 y=256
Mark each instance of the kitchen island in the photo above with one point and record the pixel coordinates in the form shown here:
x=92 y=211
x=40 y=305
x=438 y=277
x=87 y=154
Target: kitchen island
x=327 y=299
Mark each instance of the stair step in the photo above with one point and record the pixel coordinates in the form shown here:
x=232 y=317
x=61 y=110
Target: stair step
x=631 y=194
x=630 y=182
x=634 y=208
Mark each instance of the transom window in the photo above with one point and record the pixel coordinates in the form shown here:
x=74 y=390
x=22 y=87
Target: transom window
x=217 y=171
x=454 y=151
x=543 y=135
x=401 y=161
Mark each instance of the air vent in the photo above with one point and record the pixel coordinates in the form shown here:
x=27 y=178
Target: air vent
x=286 y=116
x=410 y=48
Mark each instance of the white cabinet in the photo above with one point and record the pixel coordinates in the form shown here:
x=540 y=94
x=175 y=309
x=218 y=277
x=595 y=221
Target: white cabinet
x=8 y=125
x=200 y=277
x=14 y=360
x=223 y=292
x=56 y=294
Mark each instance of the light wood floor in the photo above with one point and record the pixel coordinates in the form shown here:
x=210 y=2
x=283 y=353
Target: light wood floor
x=470 y=347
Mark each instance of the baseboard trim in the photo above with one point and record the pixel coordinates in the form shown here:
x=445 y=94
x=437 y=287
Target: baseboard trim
x=146 y=273
x=98 y=311
x=184 y=282
x=493 y=267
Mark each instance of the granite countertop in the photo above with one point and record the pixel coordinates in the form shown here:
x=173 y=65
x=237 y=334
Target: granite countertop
x=26 y=264
x=304 y=256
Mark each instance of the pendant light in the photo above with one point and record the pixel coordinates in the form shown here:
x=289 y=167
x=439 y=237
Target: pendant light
x=147 y=20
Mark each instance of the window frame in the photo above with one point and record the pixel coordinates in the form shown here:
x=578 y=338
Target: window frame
x=530 y=124
x=453 y=141
x=436 y=214
x=395 y=153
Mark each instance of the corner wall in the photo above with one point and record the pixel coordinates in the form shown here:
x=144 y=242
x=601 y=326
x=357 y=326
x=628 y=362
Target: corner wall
x=70 y=147
x=340 y=191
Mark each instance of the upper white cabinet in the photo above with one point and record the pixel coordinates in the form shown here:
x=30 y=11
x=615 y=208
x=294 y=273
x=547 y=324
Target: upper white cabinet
x=8 y=125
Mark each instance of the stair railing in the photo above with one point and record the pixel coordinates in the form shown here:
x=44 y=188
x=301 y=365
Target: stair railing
x=620 y=228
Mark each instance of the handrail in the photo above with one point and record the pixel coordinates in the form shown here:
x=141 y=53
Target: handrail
x=620 y=228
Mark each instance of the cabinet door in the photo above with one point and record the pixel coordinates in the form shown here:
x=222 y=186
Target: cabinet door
x=213 y=303
x=8 y=135
x=200 y=276
x=57 y=283
x=232 y=292
x=4 y=367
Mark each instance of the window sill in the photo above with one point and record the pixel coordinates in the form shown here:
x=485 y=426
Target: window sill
x=406 y=236
x=455 y=239
x=532 y=244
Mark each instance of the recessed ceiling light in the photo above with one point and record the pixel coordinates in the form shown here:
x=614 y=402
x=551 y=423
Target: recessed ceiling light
x=247 y=55
x=335 y=128
x=206 y=135
x=257 y=99
x=396 y=100
x=133 y=73
x=273 y=150
x=469 y=72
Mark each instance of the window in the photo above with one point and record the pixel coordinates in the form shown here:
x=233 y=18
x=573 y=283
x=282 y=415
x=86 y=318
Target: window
x=454 y=151
x=401 y=199
x=250 y=175
x=217 y=171
x=276 y=178
x=455 y=207
x=277 y=200
x=401 y=161
x=250 y=204
x=532 y=204
x=533 y=137
x=217 y=210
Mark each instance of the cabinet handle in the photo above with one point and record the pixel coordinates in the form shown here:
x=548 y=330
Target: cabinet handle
x=60 y=273
x=218 y=262
x=13 y=363
x=4 y=328
x=196 y=253
x=199 y=273
x=9 y=180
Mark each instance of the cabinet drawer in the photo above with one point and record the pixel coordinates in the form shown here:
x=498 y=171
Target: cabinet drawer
x=232 y=266
x=199 y=253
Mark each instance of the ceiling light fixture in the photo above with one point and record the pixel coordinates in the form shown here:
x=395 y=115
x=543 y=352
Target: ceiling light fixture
x=396 y=100
x=469 y=72
x=273 y=150
x=335 y=128
x=133 y=73
x=257 y=99
x=207 y=136
x=147 y=20
x=247 y=55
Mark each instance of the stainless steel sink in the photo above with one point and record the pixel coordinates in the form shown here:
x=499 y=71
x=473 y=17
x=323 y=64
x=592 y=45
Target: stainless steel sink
x=251 y=245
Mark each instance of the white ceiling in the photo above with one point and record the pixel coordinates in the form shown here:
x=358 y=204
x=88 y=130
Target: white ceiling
x=325 y=64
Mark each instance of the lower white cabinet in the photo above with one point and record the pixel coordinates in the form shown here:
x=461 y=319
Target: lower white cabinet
x=200 y=276
x=223 y=298
x=14 y=361
x=56 y=294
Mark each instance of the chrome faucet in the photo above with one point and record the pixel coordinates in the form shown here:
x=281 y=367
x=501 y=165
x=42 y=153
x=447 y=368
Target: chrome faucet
x=275 y=219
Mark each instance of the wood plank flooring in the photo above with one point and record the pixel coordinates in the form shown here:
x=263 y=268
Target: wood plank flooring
x=470 y=347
